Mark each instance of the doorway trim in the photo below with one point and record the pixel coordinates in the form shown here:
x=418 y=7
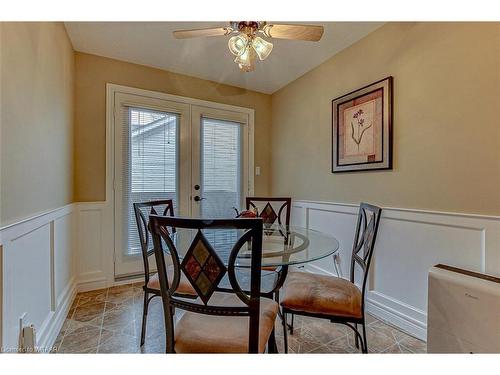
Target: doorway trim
x=114 y=89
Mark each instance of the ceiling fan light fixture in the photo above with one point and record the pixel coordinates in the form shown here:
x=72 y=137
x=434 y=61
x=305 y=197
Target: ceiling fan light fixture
x=245 y=43
x=262 y=47
x=237 y=44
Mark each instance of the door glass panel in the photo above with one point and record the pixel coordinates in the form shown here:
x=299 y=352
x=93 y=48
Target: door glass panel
x=221 y=168
x=150 y=141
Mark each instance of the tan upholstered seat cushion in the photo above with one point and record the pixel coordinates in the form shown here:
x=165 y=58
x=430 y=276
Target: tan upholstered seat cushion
x=321 y=294
x=200 y=333
x=184 y=287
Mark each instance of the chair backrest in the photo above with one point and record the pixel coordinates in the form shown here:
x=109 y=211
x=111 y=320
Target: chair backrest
x=271 y=210
x=142 y=211
x=364 y=242
x=204 y=269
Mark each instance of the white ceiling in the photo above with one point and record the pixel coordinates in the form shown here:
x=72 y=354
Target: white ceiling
x=152 y=44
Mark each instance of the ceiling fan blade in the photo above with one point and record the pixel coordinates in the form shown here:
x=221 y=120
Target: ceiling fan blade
x=300 y=32
x=217 y=31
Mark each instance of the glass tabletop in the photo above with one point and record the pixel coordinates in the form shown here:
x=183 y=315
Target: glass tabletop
x=280 y=245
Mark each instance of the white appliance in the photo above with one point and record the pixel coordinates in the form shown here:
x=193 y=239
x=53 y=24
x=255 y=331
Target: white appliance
x=463 y=313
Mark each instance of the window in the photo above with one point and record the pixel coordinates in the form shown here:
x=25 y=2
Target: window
x=221 y=167
x=150 y=164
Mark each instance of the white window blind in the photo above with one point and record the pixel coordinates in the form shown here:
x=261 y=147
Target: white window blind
x=221 y=169
x=150 y=143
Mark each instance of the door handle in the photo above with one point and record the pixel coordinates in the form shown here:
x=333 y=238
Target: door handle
x=197 y=198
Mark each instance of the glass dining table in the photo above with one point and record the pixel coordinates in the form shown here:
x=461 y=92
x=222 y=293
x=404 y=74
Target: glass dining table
x=282 y=247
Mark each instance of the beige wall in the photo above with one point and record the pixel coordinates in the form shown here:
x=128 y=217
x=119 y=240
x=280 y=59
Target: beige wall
x=446 y=136
x=36 y=124
x=446 y=127
x=92 y=74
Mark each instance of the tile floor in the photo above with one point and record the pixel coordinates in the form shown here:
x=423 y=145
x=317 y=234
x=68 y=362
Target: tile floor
x=109 y=321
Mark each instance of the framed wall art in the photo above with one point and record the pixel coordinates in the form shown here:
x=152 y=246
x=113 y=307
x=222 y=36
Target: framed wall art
x=362 y=129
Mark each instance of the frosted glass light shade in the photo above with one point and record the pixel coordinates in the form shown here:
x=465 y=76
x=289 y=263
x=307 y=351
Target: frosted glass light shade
x=237 y=44
x=247 y=58
x=262 y=47
x=247 y=69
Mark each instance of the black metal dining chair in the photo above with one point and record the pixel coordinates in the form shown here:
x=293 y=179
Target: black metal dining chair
x=334 y=298
x=273 y=211
x=151 y=285
x=233 y=321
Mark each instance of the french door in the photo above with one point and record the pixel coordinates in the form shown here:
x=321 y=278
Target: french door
x=220 y=159
x=199 y=156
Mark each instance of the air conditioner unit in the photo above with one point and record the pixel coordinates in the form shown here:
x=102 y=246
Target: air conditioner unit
x=463 y=314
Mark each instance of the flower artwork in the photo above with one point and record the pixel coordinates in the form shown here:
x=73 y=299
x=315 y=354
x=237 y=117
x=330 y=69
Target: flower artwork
x=362 y=129
x=359 y=121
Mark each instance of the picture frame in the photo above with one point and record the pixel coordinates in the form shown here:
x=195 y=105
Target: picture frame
x=362 y=128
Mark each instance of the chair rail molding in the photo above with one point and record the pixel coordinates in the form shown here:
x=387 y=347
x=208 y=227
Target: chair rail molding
x=409 y=242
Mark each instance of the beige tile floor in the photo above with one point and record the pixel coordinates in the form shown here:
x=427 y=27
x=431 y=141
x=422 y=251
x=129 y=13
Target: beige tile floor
x=109 y=321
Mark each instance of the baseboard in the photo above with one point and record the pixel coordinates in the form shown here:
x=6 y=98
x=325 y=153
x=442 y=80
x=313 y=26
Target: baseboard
x=93 y=284
x=392 y=313
x=396 y=318
x=132 y=280
x=51 y=331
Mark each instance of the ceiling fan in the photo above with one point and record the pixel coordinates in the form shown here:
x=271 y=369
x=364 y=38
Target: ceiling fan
x=246 y=42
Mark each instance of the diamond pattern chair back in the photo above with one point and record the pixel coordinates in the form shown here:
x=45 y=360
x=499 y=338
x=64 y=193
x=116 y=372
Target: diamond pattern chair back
x=271 y=210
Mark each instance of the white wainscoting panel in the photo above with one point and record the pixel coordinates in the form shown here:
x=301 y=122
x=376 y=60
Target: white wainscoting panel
x=38 y=277
x=64 y=255
x=94 y=247
x=409 y=242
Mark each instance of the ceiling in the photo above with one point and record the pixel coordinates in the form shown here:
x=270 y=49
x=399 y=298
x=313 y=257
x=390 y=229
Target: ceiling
x=152 y=44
